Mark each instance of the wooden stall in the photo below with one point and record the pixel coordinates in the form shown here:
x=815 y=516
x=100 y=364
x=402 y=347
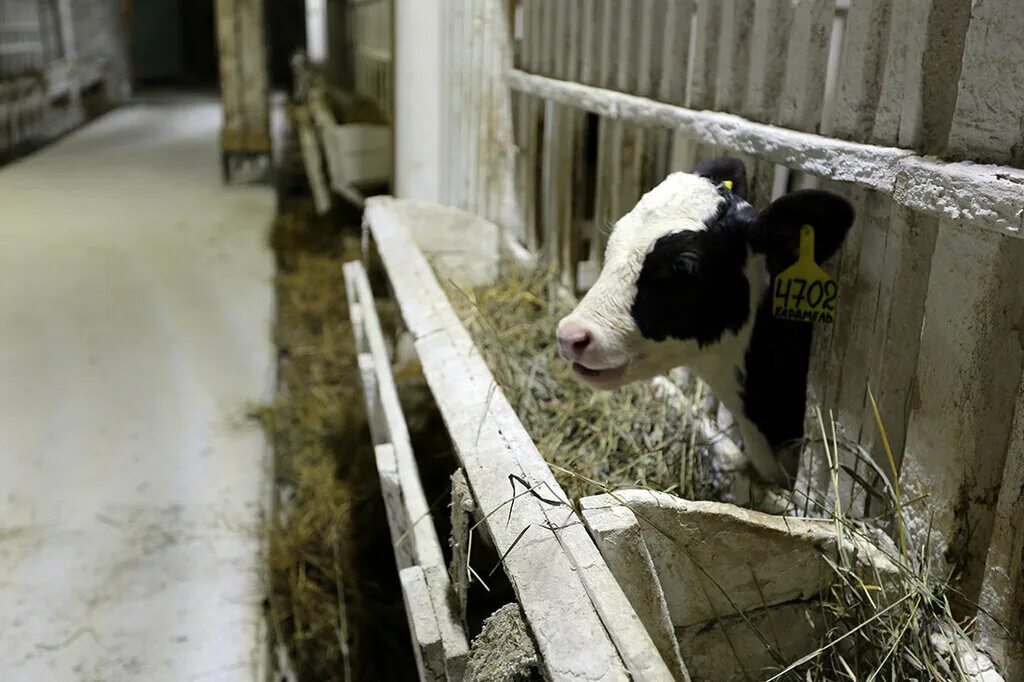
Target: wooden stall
x=557 y=115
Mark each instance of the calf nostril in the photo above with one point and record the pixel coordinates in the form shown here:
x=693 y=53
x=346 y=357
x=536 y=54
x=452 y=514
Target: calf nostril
x=574 y=339
x=580 y=341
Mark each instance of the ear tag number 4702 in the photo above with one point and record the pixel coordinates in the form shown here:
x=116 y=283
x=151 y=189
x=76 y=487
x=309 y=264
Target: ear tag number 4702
x=804 y=291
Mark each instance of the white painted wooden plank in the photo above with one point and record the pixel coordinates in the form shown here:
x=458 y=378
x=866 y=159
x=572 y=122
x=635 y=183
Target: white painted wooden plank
x=418 y=156
x=398 y=519
x=558 y=575
x=969 y=367
x=733 y=67
x=767 y=58
x=935 y=45
x=891 y=367
x=407 y=506
x=590 y=54
x=714 y=560
x=426 y=637
x=701 y=94
x=608 y=132
x=991 y=197
x=627 y=139
x=803 y=85
x=312 y=161
x=620 y=539
x=557 y=196
x=987 y=120
x=1001 y=606
x=675 y=52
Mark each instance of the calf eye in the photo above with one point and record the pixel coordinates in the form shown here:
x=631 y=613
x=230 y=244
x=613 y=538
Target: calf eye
x=687 y=262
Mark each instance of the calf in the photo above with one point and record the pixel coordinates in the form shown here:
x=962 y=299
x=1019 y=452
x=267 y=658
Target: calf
x=686 y=280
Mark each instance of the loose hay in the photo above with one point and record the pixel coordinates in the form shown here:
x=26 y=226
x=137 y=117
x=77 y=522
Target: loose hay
x=599 y=442
x=333 y=600
x=628 y=438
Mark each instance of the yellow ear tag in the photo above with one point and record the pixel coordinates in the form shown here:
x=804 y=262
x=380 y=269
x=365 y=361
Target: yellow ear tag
x=727 y=184
x=804 y=291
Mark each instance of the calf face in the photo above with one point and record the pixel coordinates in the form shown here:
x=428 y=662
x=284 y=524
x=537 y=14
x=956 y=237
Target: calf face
x=684 y=282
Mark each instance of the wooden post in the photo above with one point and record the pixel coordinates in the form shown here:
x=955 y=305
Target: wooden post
x=418 y=90
x=241 y=40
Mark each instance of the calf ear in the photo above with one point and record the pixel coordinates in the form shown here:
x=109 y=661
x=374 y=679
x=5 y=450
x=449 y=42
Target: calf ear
x=776 y=231
x=720 y=170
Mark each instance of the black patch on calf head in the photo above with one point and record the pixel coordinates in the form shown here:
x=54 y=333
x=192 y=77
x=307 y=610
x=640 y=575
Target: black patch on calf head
x=720 y=170
x=692 y=285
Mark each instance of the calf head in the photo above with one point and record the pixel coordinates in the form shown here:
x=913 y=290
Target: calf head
x=684 y=282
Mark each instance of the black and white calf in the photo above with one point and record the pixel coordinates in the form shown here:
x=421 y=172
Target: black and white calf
x=686 y=281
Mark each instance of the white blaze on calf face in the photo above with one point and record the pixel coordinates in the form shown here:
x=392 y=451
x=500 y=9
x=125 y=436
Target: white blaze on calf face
x=617 y=352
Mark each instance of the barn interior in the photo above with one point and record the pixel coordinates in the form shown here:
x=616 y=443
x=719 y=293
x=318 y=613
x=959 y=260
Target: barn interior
x=284 y=397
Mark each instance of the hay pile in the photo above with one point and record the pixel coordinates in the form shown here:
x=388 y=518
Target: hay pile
x=631 y=437
x=332 y=601
x=634 y=437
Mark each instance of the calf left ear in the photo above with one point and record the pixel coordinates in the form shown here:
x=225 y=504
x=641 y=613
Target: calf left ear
x=776 y=231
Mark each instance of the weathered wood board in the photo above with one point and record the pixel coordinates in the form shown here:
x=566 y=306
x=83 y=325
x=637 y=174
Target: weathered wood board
x=580 y=618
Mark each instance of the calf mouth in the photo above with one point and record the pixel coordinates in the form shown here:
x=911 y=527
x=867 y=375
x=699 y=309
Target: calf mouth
x=605 y=377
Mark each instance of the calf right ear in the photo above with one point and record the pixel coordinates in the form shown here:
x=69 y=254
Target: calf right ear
x=720 y=170
x=776 y=231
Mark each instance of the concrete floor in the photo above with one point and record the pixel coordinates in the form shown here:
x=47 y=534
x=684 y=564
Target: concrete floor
x=135 y=307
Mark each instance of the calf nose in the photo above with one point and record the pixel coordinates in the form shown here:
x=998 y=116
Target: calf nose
x=573 y=338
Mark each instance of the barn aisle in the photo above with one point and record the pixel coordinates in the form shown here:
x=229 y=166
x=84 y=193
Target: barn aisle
x=135 y=308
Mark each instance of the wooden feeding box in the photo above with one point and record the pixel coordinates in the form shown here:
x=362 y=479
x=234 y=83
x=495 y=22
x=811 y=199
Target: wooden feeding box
x=581 y=621
x=631 y=584
x=245 y=134
x=358 y=153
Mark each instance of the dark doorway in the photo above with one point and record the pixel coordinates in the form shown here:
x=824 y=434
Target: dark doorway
x=174 y=42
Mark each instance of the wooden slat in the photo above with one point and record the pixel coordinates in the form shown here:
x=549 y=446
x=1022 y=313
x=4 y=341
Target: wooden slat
x=409 y=518
x=967 y=376
x=608 y=167
x=768 y=50
x=675 y=52
x=1001 y=606
x=862 y=68
x=620 y=539
x=429 y=650
x=991 y=90
x=577 y=613
x=312 y=160
x=701 y=94
x=803 y=85
x=733 y=60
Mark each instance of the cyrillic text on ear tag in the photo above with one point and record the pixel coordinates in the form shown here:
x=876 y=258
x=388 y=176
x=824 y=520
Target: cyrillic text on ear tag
x=804 y=291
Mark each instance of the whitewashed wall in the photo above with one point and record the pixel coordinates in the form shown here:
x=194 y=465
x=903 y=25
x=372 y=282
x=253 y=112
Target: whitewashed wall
x=885 y=101
x=50 y=51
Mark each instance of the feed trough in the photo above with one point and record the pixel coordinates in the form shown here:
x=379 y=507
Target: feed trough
x=631 y=584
